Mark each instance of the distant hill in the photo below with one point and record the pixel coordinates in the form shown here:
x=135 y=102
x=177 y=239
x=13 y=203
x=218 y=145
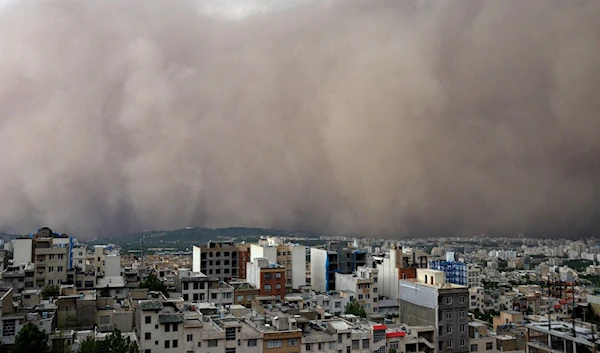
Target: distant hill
x=182 y=239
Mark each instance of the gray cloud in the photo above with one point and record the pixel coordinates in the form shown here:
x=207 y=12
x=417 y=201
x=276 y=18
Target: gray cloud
x=391 y=118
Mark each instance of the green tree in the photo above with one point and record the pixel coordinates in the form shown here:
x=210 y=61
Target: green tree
x=104 y=292
x=31 y=339
x=50 y=291
x=61 y=345
x=355 y=308
x=154 y=284
x=88 y=346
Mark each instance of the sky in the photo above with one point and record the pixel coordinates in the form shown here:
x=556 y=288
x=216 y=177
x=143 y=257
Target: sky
x=379 y=118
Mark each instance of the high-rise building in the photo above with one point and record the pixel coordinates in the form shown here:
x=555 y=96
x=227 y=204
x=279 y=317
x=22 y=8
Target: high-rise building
x=429 y=300
x=216 y=259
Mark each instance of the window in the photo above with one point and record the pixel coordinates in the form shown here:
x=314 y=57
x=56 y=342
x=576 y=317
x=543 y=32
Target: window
x=348 y=350
x=462 y=328
x=463 y=342
x=292 y=342
x=449 y=329
x=309 y=346
x=213 y=343
x=378 y=335
x=252 y=343
x=185 y=285
x=213 y=295
x=462 y=299
x=267 y=287
x=175 y=326
x=148 y=319
x=489 y=346
x=365 y=343
x=240 y=298
x=449 y=344
x=8 y=328
x=227 y=295
x=59 y=269
x=230 y=334
x=473 y=348
x=167 y=327
x=267 y=276
x=50 y=268
x=355 y=344
x=229 y=350
x=278 y=286
x=340 y=338
x=321 y=346
x=331 y=345
x=147 y=351
x=190 y=338
x=278 y=275
x=105 y=320
x=147 y=336
x=448 y=300
x=167 y=344
x=195 y=296
x=174 y=344
x=448 y=315
x=394 y=345
x=274 y=344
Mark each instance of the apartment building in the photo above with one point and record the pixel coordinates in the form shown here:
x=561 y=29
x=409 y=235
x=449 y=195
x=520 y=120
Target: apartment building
x=291 y=256
x=429 y=300
x=479 y=338
x=334 y=258
x=362 y=286
x=216 y=259
x=52 y=257
x=20 y=276
x=267 y=276
x=197 y=287
x=396 y=266
x=243 y=259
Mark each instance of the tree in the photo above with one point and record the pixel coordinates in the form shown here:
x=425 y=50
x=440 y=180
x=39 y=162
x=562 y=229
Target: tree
x=61 y=345
x=88 y=346
x=31 y=339
x=355 y=308
x=104 y=292
x=50 y=291
x=154 y=284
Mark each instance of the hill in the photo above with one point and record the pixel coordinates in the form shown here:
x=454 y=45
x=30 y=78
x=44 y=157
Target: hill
x=184 y=239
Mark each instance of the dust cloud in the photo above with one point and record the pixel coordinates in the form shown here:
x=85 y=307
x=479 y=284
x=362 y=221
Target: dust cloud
x=369 y=118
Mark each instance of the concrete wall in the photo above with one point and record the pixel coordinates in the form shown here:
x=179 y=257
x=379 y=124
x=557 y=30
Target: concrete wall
x=318 y=265
x=196 y=259
x=298 y=266
x=22 y=251
x=112 y=267
x=416 y=315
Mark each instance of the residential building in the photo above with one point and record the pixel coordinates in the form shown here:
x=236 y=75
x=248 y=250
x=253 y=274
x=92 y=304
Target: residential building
x=291 y=256
x=267 y=276
x=217 y=259
x=363 y=285
x=396 y=266
x=429 y=300
x=334 y=258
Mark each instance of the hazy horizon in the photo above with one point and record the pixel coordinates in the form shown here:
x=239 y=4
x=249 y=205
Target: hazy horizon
x=382 y=118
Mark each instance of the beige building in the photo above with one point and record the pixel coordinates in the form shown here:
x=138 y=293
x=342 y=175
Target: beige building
x=479 y=338
x=362 y=286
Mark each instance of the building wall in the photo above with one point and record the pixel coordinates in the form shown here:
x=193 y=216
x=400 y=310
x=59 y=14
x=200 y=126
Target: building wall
x=318 y=265
x=287 y=338
x=275 y=278
x=196 y=259
x=23 y=250
x=298 y=266
x=453 y=307
x=112 y=266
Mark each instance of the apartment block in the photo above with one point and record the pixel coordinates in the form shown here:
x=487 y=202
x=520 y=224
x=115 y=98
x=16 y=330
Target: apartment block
x=334 y=258
x=267 y=276
x=197 y=287
x=362 y=286
x=429 y=300
x=396 y=266
x=216 y=259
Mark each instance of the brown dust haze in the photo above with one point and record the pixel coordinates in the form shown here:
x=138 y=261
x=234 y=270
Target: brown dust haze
x=374 y=118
